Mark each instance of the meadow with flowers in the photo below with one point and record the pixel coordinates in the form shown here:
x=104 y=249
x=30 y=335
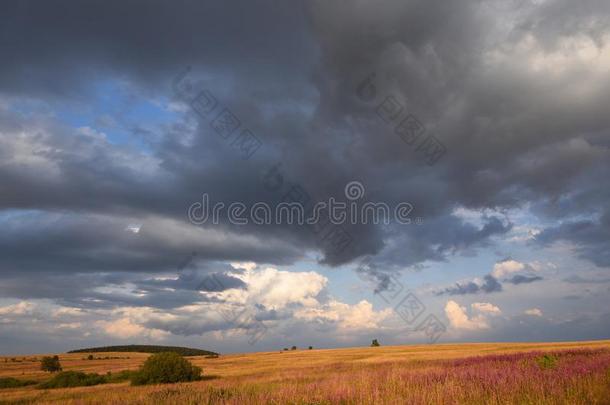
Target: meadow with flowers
x=496 y=373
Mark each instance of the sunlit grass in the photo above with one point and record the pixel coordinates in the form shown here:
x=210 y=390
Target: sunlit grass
x=548 y=373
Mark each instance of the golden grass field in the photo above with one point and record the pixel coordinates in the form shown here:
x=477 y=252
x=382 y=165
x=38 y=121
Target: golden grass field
x=425 y=374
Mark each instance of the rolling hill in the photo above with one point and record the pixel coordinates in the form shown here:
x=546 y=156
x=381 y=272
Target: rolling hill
x=184 y=351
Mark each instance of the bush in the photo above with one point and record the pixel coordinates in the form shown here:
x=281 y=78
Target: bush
x=164 y=368
x=50 y=364
x=310 y=347
x=90 y=357
x=67 y=379
x=10 y=382
x=293 y=348
x=375 y=343
x=547 y=361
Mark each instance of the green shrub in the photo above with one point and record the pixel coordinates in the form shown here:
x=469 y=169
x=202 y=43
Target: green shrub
x=375 y=343
x=547 y=361
x=10 y=382
x=164 y=368
x=50 y=364
x=293 y=348
x=67 y=379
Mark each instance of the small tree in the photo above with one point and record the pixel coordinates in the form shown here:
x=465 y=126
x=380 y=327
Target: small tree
x=310 y=347
x=50 y=364
x=293 y=348
x=375 y=343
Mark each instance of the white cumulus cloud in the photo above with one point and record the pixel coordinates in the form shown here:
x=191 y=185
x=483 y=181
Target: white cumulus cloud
x=486 y=307
x=459 y=318
x=359 y=316
x=21 y=308
x=533 y=312
x=507 y=267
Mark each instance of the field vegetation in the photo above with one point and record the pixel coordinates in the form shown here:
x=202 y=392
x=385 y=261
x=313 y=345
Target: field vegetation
x=502 y=373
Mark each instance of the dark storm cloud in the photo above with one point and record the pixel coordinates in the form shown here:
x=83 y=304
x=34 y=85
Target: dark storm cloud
x=576 y=279
x=57 y=47
x=107 y=290
x=74 y=243
x=523 y=279
x=489 y=285
x=503 y=153
x=590 y=237
x=462 y=289
x=196 y=281
x=515 y=136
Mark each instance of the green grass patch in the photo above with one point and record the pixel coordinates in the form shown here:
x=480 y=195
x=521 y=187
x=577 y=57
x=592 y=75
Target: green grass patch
x=10 y=382
x=121 y=376
x=68 y=379
x=547 y=361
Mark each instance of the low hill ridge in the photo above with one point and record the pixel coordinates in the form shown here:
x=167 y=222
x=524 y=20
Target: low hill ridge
x=184 y=351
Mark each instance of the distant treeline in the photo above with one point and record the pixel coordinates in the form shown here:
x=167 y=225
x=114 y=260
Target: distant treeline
x=184 y=351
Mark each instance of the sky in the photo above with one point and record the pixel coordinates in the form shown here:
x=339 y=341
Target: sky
x=488 y=119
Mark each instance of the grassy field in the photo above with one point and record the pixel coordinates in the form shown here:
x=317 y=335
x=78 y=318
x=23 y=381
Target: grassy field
x=498 y=373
